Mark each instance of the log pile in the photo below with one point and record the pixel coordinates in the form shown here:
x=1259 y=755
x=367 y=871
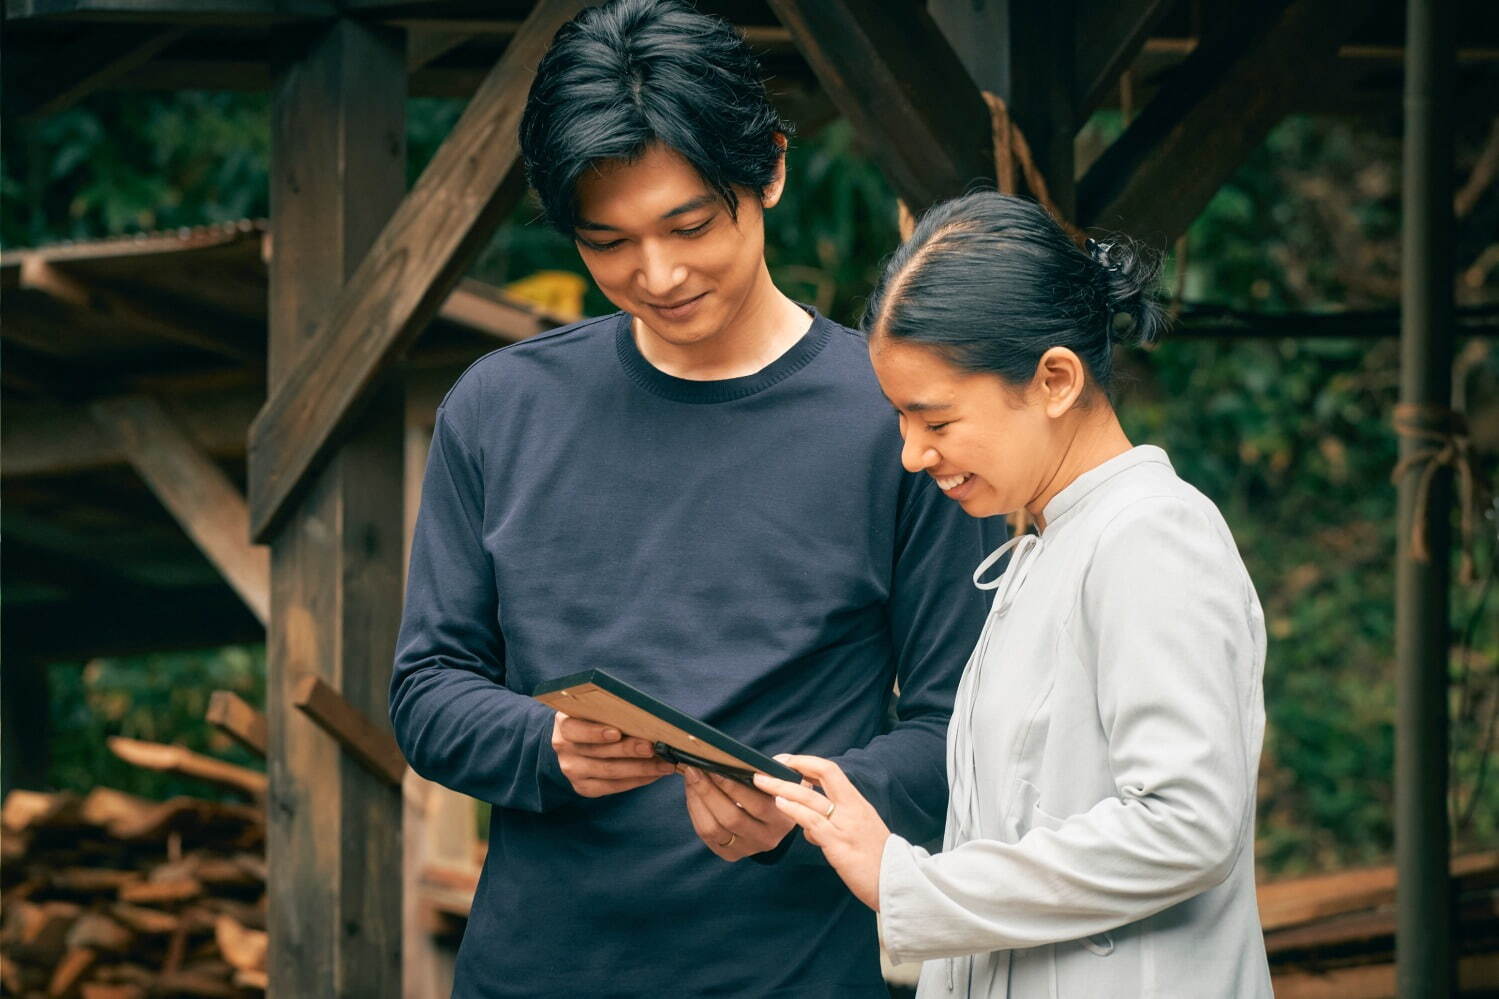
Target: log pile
x=113 y=896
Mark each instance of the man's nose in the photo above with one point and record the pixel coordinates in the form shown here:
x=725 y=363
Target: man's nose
x=660 y=272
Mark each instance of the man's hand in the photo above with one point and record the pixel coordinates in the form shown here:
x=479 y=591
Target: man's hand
x=598 y=760
x=839 y=820
x=732 y=819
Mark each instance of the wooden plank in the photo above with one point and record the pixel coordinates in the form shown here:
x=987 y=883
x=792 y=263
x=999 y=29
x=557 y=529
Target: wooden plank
x=186 y=762
x=1301 y=900
x=1109 y=35
x=1477 y=974
x=231 y=715
x=1218 y=106
x=489 y=310
x=370 y=744
x=39 y=274
x=198 y=494
x=891 y=72
x=333 y=835
x=1372 y=930
x=47 y=86
x=469 y=185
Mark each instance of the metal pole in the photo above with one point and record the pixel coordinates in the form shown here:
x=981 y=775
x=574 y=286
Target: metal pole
x=1423 y=938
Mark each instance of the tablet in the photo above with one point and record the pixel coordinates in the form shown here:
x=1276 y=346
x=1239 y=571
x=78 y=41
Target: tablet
x=594 y=695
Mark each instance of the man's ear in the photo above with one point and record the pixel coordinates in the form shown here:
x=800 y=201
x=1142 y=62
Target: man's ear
x=772 y=191
x=1062 y=378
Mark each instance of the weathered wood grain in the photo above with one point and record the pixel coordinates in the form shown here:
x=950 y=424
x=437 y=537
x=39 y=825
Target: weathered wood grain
x=893 y=75
x=196 y=491
x=399 y=285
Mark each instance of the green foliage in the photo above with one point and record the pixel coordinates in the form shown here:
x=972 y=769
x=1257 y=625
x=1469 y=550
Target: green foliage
x=162 y=698
x=1290 y=438
x=126 y=162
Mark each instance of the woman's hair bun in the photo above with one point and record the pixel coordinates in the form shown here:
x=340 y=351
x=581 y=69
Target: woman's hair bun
x=1130 y=272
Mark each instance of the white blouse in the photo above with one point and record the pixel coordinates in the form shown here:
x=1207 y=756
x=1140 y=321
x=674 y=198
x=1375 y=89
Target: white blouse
x=1102 y=758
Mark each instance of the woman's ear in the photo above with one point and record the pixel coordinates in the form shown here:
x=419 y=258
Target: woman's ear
x=1061 y=378
x=771 y=194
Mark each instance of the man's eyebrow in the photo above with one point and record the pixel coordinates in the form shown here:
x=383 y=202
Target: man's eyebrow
x=701 y=201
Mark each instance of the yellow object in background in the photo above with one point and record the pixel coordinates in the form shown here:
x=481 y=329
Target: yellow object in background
x=559 y=293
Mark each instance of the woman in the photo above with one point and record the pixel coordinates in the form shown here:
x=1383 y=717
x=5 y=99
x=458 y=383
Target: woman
x=1104 y=744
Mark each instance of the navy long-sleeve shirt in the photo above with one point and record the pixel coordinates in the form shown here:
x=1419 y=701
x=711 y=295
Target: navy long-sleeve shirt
x=747 y=550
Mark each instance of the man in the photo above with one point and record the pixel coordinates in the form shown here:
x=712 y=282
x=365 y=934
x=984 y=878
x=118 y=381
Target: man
x=703 y=495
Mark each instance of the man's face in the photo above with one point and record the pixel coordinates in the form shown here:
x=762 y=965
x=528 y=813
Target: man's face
x=664 y=248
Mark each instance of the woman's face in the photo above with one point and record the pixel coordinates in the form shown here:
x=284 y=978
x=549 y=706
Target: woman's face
x=990 y=446
x=664 y=248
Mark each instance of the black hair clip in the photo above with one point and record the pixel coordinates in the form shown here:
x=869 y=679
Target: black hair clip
x=1100 y=252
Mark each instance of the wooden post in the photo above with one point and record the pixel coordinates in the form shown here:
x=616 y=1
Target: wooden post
x=1023 y=51
x=333 y=837
x=1423 y=935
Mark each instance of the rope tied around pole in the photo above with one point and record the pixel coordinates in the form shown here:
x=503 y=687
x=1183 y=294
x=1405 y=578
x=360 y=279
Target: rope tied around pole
x=1443 y=434
x=1011 y=150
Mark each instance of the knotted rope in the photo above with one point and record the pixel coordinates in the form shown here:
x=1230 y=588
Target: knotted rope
x=1011 y=150
x=1443 y=437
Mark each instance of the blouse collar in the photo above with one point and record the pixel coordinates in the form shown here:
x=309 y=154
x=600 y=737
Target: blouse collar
x=1090 y=481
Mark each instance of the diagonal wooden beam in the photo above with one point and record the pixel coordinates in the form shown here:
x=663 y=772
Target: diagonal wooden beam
x=425 y=47
x=50 y=88
x=431 y=238
x=198 y=494
x=891 y=72
x=1109 y=35
x=1217 y=107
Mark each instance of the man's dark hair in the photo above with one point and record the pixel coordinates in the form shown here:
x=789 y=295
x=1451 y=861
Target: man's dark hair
x=620 y=77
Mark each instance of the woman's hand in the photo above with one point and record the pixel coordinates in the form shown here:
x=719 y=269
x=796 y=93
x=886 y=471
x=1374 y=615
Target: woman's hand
x=840 y=821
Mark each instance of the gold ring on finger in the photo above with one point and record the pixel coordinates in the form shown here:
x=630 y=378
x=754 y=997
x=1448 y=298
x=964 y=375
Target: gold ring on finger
x=728 y=842
x=832 y=807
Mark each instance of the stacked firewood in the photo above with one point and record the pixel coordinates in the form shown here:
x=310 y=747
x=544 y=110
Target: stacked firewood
x=113 y=896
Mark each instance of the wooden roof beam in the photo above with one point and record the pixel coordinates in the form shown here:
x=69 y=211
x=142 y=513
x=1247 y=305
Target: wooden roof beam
x=39 y=274
x=194 y=489
x=470 y=184
x=891 y=72
x=244 y=13
x=1109 y=36
x=1217 y=107
x=49 y=87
